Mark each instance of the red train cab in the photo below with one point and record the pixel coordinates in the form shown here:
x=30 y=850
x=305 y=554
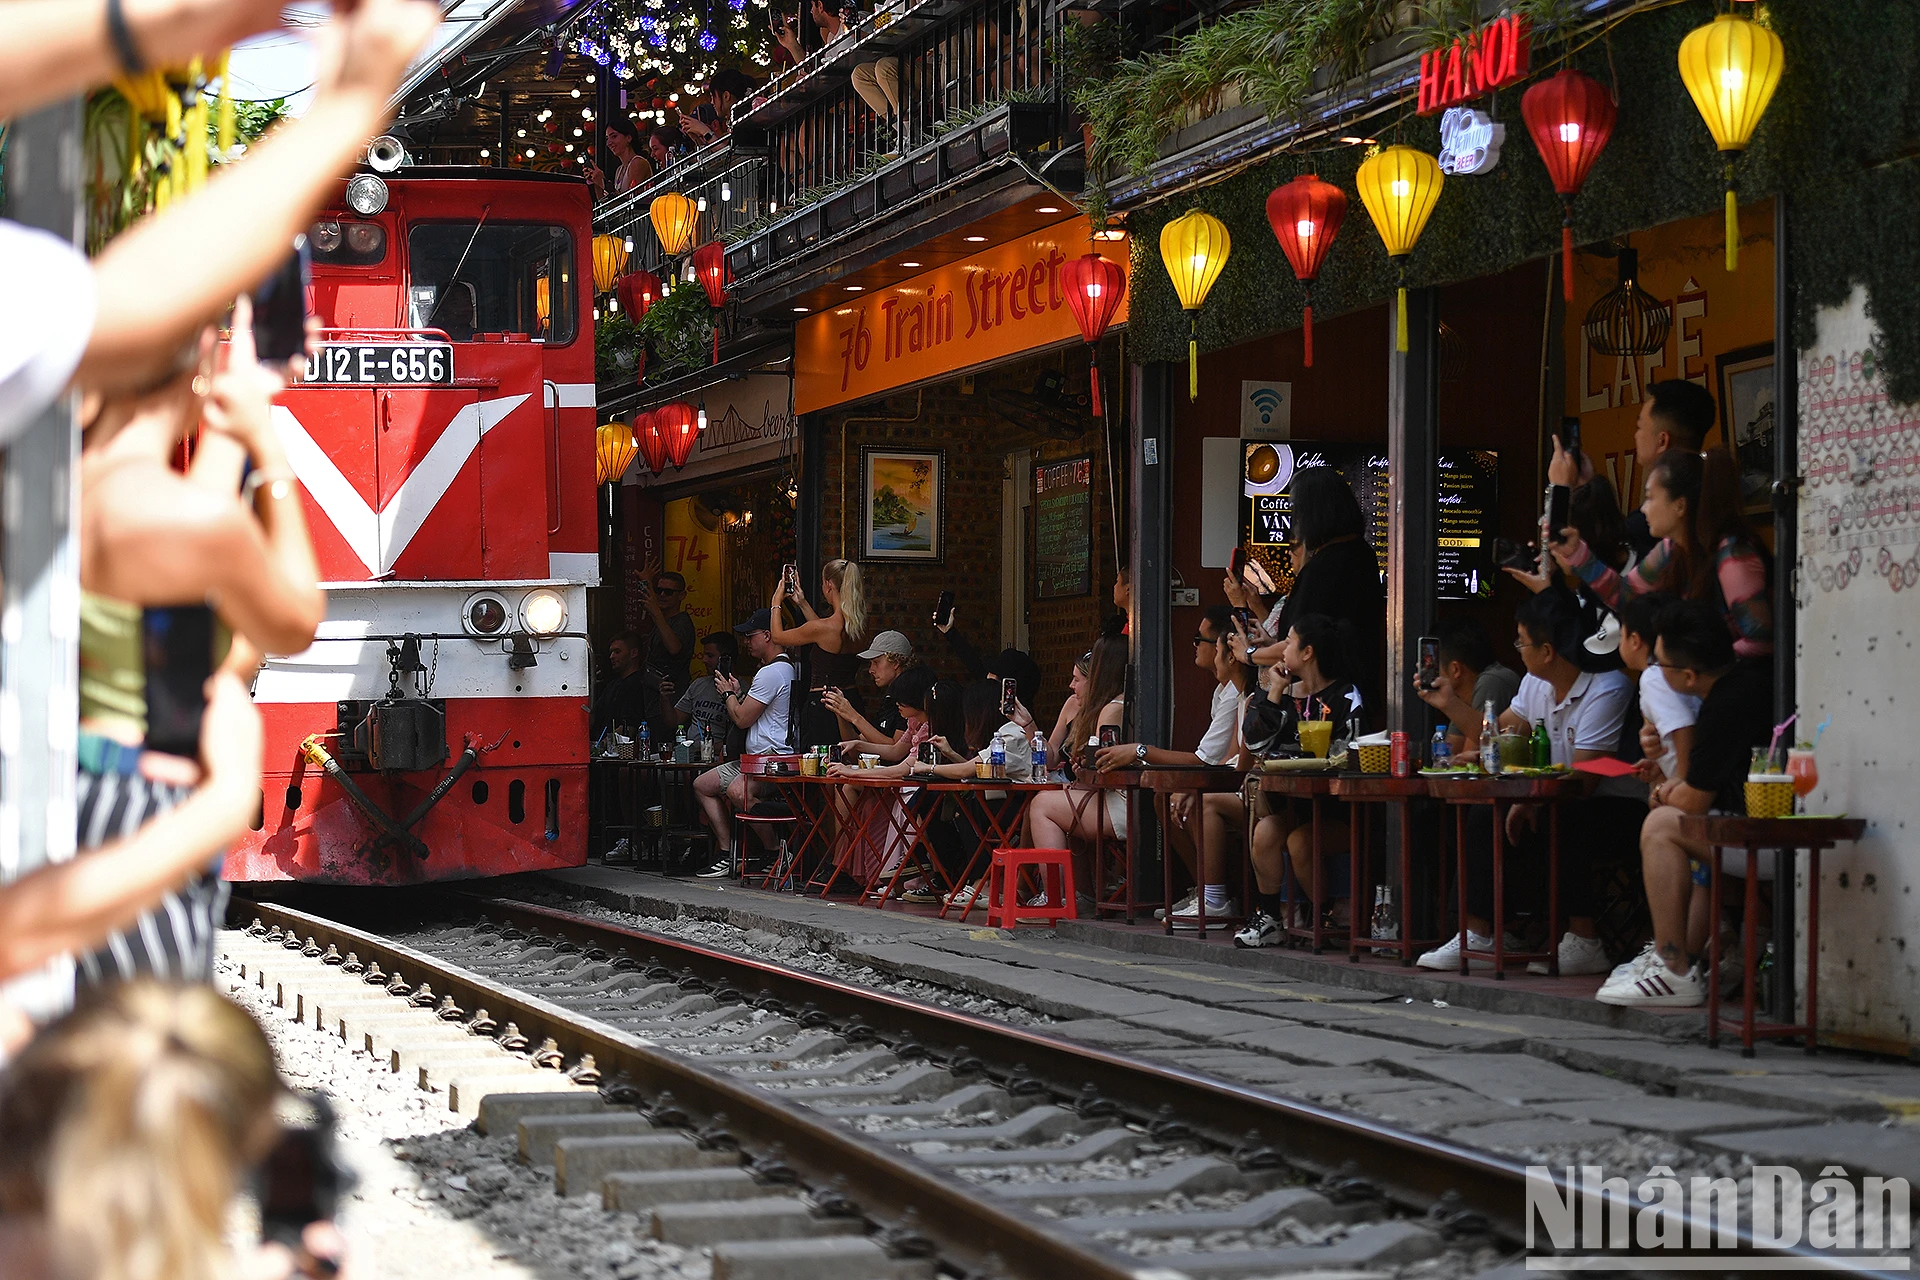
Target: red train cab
x=437 y=728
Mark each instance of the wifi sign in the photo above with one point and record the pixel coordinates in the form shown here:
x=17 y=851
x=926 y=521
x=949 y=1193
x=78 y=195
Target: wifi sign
x=1266 y=410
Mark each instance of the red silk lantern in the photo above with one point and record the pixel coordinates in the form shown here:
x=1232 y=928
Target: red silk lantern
x=1094 y=289
x=1305 y=215
x=638 y=290
x=679 y=426
x=710 y=268
x=1571 y=117
x=653 y=445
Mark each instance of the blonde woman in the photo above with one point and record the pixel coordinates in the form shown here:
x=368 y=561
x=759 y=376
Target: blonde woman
x=126 y=1130
x=833 y=660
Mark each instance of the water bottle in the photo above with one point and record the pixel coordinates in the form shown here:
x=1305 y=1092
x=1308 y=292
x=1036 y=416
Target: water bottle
x=1040 y=757
x=1490 y=741
x=997 y=757
x=646 y=739
x=1384 y=927
x=1440 y=752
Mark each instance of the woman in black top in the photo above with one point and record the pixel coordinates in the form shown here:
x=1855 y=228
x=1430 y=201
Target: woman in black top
x=1340 y=580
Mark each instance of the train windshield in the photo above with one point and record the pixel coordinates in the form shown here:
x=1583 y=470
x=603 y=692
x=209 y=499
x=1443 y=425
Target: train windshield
x=492 y=277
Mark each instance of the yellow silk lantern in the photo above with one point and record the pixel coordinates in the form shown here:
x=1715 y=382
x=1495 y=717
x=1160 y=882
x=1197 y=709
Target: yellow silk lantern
x=1194 y=248
x=674 y=217
x=613 y=450
x=1731 y=67
x=609 y=260
x=1400 y=186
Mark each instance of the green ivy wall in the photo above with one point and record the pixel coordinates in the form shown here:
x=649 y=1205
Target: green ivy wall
x=1841 y=139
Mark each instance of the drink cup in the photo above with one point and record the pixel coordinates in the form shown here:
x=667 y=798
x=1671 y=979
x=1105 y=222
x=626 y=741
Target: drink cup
x=809 y=765
x=1316 y=736
x=1516 y=750
x=869 y=762
x=1769 y=795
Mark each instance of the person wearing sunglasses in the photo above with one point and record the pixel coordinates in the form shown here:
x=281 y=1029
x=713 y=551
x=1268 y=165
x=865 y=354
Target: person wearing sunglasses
x=671 y=647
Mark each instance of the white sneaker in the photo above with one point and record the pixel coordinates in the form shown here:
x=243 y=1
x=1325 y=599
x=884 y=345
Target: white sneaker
x=1185 y=904
x=1187 y=915
x=1578 y=956
x=1447 y=954
x=1261 y=931
x=964 y=896
x=1625 y=967
x=1651 y=985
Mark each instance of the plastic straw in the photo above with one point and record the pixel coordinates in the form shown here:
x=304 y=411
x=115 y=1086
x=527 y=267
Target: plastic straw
x=1821 y=728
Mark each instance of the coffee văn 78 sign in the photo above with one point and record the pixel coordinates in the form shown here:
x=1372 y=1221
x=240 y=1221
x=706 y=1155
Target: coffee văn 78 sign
x=1493 y=57
x=1000 y=302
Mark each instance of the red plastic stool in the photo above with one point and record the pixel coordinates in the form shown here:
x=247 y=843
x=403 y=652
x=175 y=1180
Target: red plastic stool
x=1003 y=877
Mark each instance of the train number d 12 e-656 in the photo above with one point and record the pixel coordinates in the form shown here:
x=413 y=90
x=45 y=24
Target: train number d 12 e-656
x=413 y=364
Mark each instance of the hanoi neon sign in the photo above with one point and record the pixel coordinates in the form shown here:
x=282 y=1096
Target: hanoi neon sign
x=1494 y=57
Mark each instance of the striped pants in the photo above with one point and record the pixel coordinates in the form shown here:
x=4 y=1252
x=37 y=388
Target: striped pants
x=173 y=940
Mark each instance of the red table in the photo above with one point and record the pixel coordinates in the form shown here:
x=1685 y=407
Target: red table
x=1784 y=836
x=1359 y=790
x=1199 y=781
x=1001 y=829
x=1502 y=794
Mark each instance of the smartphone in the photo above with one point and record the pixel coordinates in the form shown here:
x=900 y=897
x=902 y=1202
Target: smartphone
x=1429 y=662
x=303 y=1178
x=1516 y=555
x=1559 y=499
x=1009 y=694
x=1109 y=735
x=1569 y=434
x=726 y=666
x=1237 y=565
x=791 y=576
x=179 y=645
x=280 y=308
x=1259 y=579
x=943 y=611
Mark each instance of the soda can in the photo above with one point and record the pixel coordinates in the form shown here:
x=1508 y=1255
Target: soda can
x=1402 y=756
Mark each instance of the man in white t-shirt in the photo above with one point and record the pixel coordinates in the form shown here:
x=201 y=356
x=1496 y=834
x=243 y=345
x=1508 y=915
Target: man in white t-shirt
x=1212 y=655
x=764 y=710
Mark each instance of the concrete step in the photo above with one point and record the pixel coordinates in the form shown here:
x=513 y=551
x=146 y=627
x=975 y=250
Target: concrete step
x=579 y=1164
x=703 y=1224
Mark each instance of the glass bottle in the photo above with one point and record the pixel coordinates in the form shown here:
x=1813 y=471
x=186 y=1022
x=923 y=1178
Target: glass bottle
x=1490 y=741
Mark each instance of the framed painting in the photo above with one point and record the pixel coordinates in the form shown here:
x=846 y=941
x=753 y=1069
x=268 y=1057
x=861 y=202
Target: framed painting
x=1746 y=419
x=903 y=504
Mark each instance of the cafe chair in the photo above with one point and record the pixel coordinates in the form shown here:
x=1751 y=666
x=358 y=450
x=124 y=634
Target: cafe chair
x=770 y=817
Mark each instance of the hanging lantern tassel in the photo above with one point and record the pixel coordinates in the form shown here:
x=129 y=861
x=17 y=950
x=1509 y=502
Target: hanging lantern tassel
x=1400 y=330
x=1093 y=376
x=1566 y=250
x=1193 y=358
x=1733 y=224
x=1307 y=326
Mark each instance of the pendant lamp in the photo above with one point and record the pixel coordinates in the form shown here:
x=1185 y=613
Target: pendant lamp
x=609 y=258
x=613 y=450
x=1194 y=248
x=1400 y=186
x=674 y=217
x=652 y=445
x=637 y=290
x=710 y=269
x=1305 y=215
x=1094 y=289
x=1731 y=67
x=1571 y=117
x=679 y=427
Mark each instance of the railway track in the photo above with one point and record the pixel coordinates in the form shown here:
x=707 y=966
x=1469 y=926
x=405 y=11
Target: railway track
x=804 y=1127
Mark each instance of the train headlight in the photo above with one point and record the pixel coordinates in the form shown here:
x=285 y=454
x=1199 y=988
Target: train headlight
x=486 y=615
x=543 y=612
x=366 y=194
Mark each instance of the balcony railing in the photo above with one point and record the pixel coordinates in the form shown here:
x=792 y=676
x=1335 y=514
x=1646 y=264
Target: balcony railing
x=809 y=158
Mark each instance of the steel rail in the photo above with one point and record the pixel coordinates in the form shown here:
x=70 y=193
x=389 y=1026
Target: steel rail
x=970 y=1228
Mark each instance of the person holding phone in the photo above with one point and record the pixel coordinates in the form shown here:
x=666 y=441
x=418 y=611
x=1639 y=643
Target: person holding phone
x=1466 y=677
x=832 y=642
x=890 y=655
x=670 y=648
x=702 y=703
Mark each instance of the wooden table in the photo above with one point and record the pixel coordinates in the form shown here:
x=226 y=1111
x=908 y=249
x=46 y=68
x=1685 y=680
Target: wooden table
x=1502 y=794
x=1314 y=787
x=1359 y=789
x=1199 y=781
x=1784 y=836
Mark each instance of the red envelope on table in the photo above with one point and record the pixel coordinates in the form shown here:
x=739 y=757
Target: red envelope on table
x=1605 y=766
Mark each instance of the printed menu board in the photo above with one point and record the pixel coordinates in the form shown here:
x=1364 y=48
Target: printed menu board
x=1063 y=528
x=1467 y=495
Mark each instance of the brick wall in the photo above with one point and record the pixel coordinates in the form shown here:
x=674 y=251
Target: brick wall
x=960 y=418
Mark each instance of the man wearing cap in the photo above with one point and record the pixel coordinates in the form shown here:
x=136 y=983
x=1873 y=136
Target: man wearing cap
x=764 y=710
x=888 y=655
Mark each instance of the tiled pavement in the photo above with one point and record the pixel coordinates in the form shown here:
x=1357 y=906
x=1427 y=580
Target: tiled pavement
x=1534 y=1072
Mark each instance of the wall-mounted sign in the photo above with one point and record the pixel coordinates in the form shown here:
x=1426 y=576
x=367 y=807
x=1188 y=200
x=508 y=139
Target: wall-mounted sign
x=1469 y=141
x=750 y=423
x=1266 y=410
x=1009 y=299
x=1491 y=58
x=1063 y=528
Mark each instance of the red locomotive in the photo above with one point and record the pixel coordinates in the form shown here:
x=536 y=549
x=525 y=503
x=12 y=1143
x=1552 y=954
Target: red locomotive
x=437 y=728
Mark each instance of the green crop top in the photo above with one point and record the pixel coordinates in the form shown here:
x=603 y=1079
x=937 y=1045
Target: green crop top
x=113 y=676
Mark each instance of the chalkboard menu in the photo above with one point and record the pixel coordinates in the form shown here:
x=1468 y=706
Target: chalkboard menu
x=1063 y=528
x=1467 y=496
